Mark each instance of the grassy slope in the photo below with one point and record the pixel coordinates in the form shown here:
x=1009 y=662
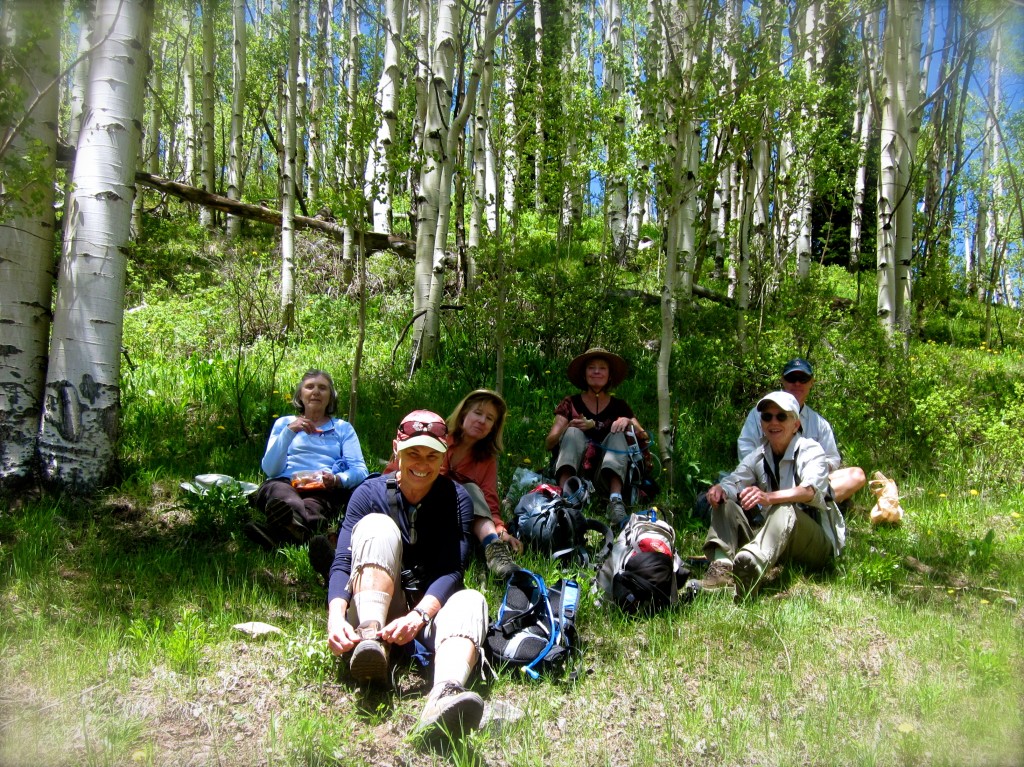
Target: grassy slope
x=116 y=644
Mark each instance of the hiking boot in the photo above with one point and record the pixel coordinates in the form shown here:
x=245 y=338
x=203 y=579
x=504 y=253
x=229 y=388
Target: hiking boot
x=499 y=559
x=369 y=661
x=321 y=556
x=718 y=576
x=260 y=535
x=452 y=708
x=748 y=574
x=574 y=492
x=617 y=511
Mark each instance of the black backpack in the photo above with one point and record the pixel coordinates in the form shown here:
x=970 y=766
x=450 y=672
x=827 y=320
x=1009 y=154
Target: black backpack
x=545 y=522
x=642 y=573
x=536 y=624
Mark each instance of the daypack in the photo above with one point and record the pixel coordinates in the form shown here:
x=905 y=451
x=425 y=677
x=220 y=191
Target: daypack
x=545 y=522
x=536 y=624
x=643 y=570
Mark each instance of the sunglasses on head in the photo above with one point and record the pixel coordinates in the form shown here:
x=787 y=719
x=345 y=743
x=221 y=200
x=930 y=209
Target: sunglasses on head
x=409 y=429
x=798 y=378
x=781 y=416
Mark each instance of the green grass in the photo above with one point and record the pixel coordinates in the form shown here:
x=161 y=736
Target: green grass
x=119 y=649
x=117 y=644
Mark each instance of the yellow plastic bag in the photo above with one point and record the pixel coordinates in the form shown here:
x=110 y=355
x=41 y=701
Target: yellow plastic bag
x=887 y=510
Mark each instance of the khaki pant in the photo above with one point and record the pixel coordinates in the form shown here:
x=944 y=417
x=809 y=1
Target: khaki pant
x=613 y=455
x=377 y=541
x=476 y=495
x=789 y=534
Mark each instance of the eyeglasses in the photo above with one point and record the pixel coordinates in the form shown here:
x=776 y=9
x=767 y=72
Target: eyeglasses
x=408 y=429
x=798 y=378
x=781 y=416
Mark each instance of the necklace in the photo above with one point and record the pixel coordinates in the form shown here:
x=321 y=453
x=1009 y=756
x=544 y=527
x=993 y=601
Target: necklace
x=597 y=402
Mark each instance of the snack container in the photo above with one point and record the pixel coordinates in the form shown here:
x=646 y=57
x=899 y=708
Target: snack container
x=308 y=480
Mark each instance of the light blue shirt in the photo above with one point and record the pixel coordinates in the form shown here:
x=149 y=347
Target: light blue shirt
x=335 y=449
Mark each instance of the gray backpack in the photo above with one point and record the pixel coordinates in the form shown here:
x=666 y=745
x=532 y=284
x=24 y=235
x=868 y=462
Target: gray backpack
x=643 y=571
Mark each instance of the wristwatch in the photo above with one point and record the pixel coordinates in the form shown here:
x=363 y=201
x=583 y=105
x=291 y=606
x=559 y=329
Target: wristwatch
x=423 y=614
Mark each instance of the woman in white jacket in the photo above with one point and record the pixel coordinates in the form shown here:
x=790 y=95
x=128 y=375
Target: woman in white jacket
x=786 y=481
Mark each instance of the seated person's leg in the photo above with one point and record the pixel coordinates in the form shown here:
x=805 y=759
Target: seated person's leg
x=376 y=562
x=459 y=630
x=570 y=454
x=788 y=533
x=729 y=530
x=613 y=474
x=283 y=510
x=846 y=481
x=496 y=552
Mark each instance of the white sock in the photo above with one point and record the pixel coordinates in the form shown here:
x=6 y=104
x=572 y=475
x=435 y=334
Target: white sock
x=613 y=496
x=451 y=670
x=372 y=606
x=720 y=555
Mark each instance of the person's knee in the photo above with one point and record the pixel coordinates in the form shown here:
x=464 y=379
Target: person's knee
x=377 y=542
x=857 y=478
x=464 y=614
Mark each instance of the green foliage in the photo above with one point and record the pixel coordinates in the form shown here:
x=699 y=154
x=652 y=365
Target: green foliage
x=219 y=510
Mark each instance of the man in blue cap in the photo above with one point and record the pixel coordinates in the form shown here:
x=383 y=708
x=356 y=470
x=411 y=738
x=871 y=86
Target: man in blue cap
x=797 y=379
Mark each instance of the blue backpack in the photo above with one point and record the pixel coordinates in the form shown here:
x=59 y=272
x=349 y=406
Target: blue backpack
x=536 y=624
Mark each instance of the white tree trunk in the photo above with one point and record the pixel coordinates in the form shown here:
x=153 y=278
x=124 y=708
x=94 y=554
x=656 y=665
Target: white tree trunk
x=288 y=178
x=896 y=35
x=78 y=432
x=377 y=186
x=538 y=112
x=444 y=62
x=909 y=95
x=207 y=148
x=480 y=154
x=27 y=234
x=188 y=93
x=238 y=72
x=302 y=99
x=617 y=202
x=351 y=92
x=862 y=125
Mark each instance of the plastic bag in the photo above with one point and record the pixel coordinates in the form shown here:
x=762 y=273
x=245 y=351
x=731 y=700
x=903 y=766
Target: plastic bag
x=887 y=510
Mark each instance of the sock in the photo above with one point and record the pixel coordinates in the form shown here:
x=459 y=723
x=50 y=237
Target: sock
x=489 y=539
x=614 y=496
x=720 y=555
x=372 y=606
x=451 y=670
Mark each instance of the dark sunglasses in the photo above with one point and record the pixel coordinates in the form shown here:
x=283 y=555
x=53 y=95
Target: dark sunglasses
x=798 y=378
x=409 y=429
x=781 y=416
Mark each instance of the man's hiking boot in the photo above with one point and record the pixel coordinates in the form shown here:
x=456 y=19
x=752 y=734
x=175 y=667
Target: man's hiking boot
x=499 y=559
x=718 y=576
x=260 y=535
x=369 y=662
x=450 y=708
x=321 y=556
x=617 y=512
x=748 y=574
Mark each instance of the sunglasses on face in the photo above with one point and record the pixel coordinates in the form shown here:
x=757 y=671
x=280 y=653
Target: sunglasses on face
x=409 y=429
x=780 y=417
x=798 y=378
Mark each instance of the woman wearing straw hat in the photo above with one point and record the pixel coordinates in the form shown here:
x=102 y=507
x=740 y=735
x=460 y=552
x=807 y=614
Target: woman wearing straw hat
x=589 y=432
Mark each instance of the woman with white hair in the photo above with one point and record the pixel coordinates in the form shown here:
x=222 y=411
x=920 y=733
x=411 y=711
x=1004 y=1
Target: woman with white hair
x=785 y=480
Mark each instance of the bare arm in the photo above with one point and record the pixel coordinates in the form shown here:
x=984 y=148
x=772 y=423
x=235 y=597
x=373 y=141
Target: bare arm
x=557 y=430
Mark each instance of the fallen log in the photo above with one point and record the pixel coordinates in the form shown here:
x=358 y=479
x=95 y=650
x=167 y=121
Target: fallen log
x=649 y=299
x=374 y=240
